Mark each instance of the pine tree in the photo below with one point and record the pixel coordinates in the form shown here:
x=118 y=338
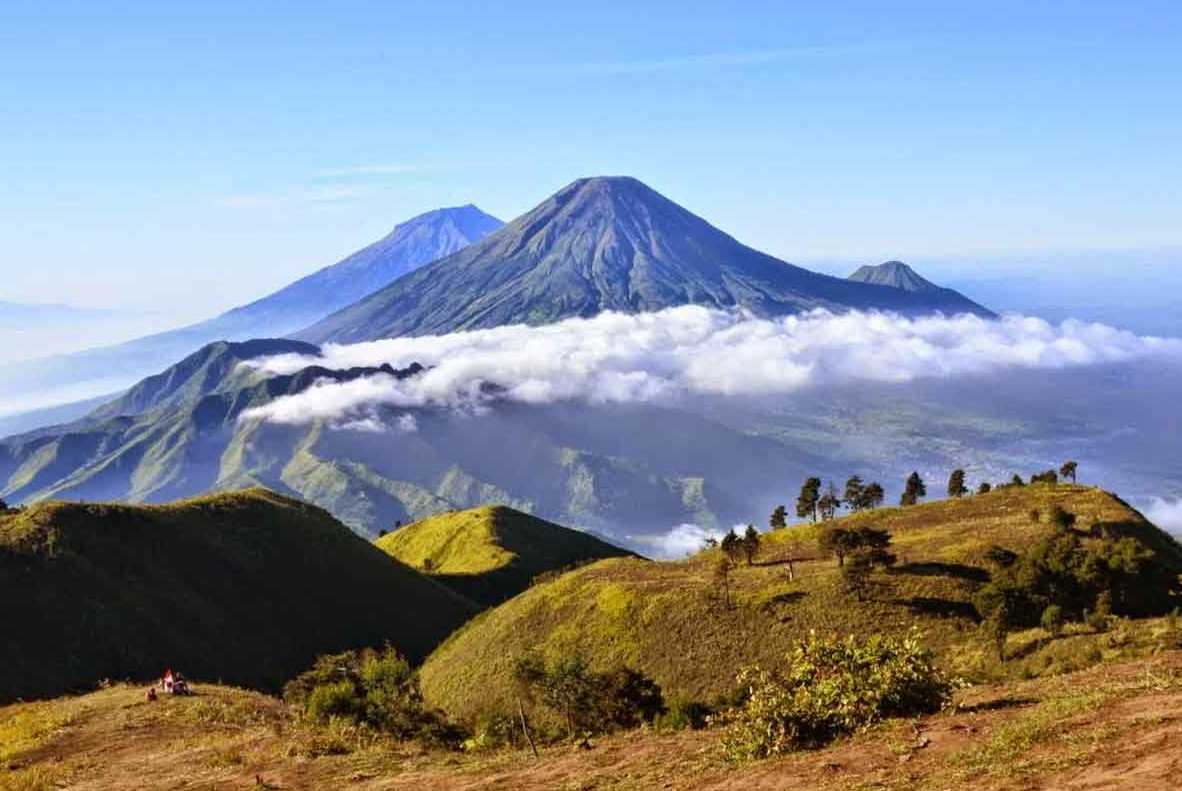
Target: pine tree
x=985 y=488
x=810 y=495
x=779 y=518
x=956 y=487
x=829 y=503
x=873 y=495
x=855 y=494
x=732 y=546
x=914 y=491
x=1069 y=469
x=750 y=544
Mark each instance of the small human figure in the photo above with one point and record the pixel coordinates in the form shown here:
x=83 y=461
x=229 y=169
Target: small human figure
x=151 y=694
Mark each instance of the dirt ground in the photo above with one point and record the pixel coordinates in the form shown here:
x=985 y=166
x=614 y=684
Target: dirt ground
x=1114 y=726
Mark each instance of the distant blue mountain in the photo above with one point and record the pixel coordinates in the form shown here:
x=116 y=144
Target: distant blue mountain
x=410 y=245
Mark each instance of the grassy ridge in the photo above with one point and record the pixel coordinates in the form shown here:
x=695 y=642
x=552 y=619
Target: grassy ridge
x=492 y=553
x=247 y=587
x=665 y=619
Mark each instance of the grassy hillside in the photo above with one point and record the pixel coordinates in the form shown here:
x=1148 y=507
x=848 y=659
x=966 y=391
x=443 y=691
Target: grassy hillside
x=665 y=619
x=248 y=587
x=1109 y=727
x=492 y=553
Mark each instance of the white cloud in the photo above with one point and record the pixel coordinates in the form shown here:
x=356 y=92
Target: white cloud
x=692 y=350
x=1166 y=514
x=680 y=541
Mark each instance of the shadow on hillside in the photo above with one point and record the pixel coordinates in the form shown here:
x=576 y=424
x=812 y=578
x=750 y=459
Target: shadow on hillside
x=1000 y=704
x=937 y=569
x=943 y=608
x=786 y=598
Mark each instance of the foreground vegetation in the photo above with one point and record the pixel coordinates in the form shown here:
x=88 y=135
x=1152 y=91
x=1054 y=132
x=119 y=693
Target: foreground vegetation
x=1111 y=726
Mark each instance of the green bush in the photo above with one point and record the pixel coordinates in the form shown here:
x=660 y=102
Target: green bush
x=682 y=715
x=370 y=689
x=830 y=687
x=1052 y=619
x=586 y=700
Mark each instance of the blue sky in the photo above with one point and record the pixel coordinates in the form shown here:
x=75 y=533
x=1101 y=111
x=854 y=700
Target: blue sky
x=188 y=157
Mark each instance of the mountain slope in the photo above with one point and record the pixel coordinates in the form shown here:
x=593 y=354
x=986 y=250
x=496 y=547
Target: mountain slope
x=491 y=553
x=108 y=369
x=664 y=619
x=895 y=274
x=608 y=243
x=635 y=467
x=248 y=587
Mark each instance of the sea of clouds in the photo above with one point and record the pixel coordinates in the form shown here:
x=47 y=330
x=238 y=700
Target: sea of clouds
x=689 y=350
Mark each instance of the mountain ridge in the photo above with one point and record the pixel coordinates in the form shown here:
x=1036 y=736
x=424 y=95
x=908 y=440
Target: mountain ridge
x=603 y=243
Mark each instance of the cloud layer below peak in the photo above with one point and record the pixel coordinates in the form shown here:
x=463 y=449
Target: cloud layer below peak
x=691 y=350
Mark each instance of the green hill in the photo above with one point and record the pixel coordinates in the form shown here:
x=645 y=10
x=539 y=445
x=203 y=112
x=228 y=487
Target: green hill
x=247 y=587
x=492 y=553
x=665 y=618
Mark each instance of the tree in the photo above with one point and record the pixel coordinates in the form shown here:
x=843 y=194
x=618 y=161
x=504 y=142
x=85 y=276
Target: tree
x=568 y=687
x=856 y=574
x=829 y=502
x=914 y=491
x=1069 y=469
x=873 y=495
x=722 y=580
x=429 y=565
x=732 y=546
x=806 y=503
x=985 y=488
x=835 y=541
x=855 y=494
x=1017 y=480
x=1050 y=476
x=956 y=487
x=750 y=543
x=1052 y=619
x=779 y=518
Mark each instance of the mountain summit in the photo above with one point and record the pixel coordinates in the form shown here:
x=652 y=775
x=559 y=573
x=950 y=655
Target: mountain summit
x=606 y=243
x=895 y=274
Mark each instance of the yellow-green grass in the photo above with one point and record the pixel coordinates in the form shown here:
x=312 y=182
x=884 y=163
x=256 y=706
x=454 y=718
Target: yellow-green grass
x=247 y=586
x=492 y=553
x=666 y=619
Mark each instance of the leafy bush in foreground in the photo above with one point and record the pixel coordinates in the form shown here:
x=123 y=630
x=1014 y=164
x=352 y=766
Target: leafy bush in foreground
x=374 y=689
x=830 y=687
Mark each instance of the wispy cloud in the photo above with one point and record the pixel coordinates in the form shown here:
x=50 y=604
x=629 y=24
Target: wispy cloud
x=1166 y=514
x=721 y=59
x=380 y=169
x=323 y=194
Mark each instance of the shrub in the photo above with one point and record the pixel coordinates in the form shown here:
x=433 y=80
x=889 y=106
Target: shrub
x=830 y=687
x=1052 y=619
x=369 y=689
x=682 y=715
x=587 y=700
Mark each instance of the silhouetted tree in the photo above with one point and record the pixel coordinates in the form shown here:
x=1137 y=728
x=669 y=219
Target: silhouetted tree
x=779 y=518
x=829 y=503
x=1017 y=480
x=1069 y=469
x=750 y=544
x=873 y=495
x=855 y=494
x=914 y=491
x=732 y=546
x=956 y=487
x=380 y=532
x=985 y=488
x=1050 y=476
x=810 y=495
